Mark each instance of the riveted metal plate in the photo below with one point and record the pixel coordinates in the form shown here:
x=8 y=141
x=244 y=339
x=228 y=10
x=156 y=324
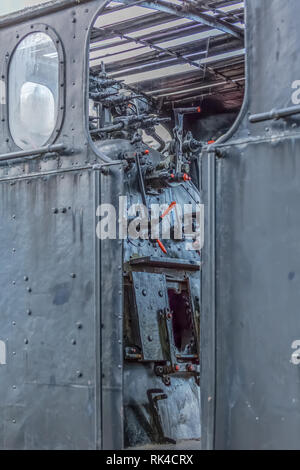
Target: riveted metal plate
x=151 y=301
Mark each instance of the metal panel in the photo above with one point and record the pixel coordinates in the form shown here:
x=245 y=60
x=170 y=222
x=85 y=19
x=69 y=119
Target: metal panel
x=47 y=312
x=61 y=386
x=110 y=284
x=251 y=391
x=258 y=299
x=151 y=298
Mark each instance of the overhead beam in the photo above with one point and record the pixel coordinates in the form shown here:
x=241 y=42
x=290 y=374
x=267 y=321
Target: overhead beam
x=168 y=51
x=190 y=13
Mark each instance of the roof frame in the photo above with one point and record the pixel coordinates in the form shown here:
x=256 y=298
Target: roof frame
x=190 y=12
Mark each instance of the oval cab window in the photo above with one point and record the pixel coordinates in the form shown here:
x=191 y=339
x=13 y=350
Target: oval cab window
x=33 y=91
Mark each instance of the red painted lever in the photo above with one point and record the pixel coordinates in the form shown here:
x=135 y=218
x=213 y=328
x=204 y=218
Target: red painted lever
x=166 y=212
x=161 y=246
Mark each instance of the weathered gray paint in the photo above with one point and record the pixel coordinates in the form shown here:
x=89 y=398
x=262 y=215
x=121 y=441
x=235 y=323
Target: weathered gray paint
x=58 y=388
x=62 y=289
x=251 y=390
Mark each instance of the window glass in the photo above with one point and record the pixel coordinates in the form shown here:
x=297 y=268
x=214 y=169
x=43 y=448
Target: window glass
x=33 y=91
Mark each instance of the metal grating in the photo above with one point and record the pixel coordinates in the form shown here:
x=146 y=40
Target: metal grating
x=175 y=51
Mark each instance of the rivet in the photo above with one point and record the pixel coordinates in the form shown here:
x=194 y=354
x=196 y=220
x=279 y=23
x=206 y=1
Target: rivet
x=160 y=293
x=25 y=341
x=14 y=323
x=26 y=278
x=144 y=292
x=79 y=373
x=79 y=325
x=29 y=289
x=55 y=210
x=14 y=387
x=73 y=275
x=73 y=341
x=29 y=312
x=150 y=338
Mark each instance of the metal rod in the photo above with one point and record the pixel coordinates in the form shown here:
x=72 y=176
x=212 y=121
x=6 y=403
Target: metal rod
x=275 y=114
x=28 y=153
x=141 y=179
x=36 y=11
x=192 y=14
x=112 y=128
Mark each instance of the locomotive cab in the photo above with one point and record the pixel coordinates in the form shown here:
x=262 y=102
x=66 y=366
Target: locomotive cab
x=100 y=182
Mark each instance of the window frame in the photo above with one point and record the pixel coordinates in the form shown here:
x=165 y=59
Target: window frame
x=19 y=37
